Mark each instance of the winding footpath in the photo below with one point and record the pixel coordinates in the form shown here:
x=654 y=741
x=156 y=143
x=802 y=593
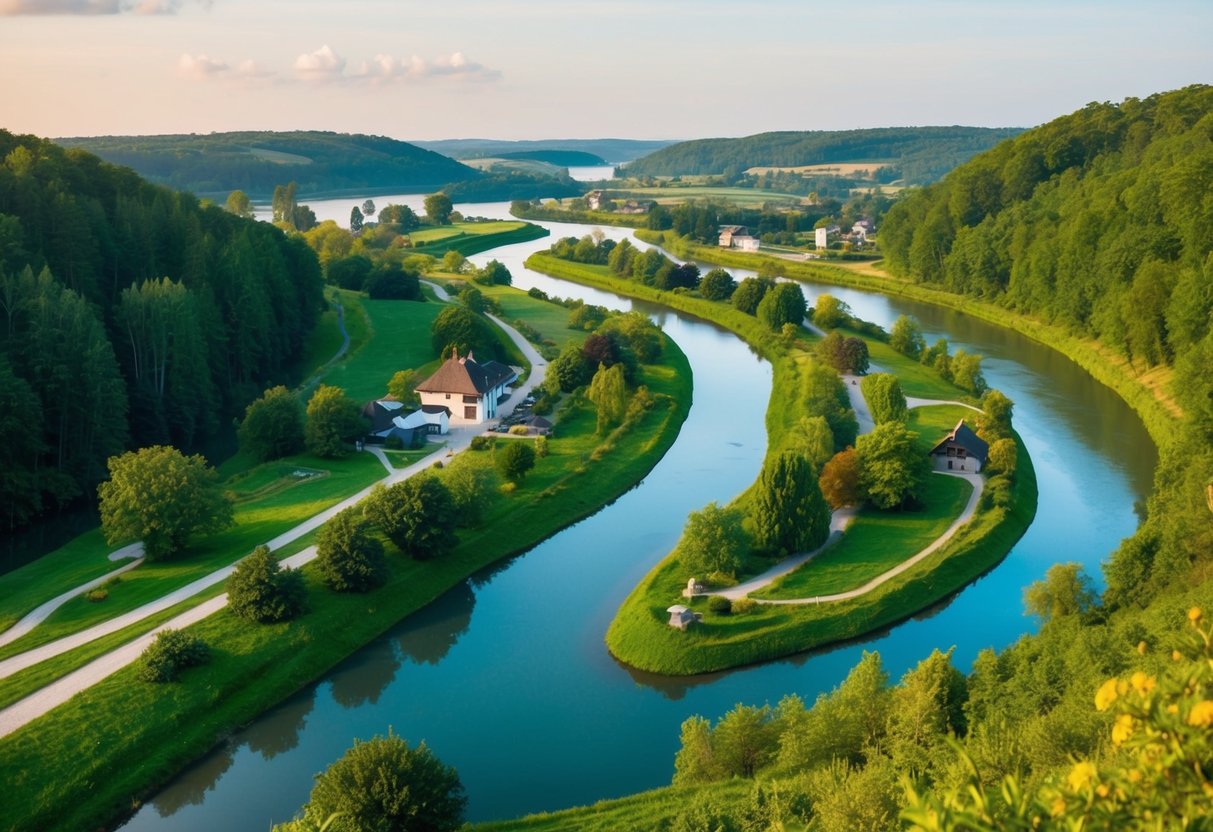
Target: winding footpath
x=841 y=518
x=26 y=710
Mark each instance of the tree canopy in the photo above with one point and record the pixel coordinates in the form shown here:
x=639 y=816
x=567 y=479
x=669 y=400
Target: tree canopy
x=713 y=541
x=272 y=425
x=788 y=511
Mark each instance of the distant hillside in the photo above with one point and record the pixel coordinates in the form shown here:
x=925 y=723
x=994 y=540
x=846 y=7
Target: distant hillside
x=919 y=154
x=254 y=162
x=561 y=158
x=611 y=151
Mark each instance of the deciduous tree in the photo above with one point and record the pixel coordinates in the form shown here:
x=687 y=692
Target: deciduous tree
x=717 y=284
x=418 y=515
x=894 y=472
x=273 y=425
x=348 y=558
x=609 y=393
x=882 y=392
x=333 y=421
x=840 y=479
x=906 y=337
x=714 y=541
x=438 y=209
x=784 y=304
x=260 y=590
x=162 y=497
x=514 y=459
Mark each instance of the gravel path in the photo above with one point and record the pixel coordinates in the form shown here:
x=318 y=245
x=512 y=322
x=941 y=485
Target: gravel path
x=37 y=704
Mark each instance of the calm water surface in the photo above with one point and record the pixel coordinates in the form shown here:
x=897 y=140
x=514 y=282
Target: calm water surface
x=506 y=677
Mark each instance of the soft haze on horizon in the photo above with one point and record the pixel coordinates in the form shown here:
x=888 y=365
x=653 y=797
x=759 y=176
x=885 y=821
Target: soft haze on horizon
x=548 y=69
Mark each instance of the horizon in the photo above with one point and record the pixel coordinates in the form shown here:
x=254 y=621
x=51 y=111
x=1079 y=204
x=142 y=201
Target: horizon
x=418 y=72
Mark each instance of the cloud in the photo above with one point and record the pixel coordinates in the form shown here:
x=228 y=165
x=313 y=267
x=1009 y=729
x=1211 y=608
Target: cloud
x=322 y=65
x=455 y=66
x=201 y=66
x=248 y=68
x=10 y=8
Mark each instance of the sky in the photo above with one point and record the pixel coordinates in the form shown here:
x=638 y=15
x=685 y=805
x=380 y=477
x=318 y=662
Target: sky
x=658 y=69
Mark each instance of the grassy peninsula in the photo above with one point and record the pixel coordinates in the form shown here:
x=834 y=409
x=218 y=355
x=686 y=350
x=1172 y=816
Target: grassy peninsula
x=640 y=635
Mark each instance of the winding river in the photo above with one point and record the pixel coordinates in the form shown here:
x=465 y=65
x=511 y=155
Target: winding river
x=506 y=677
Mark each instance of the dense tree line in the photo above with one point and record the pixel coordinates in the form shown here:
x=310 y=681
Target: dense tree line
x=255 y=162
x=132 y=315
x=1099 y=222
x=922 y=154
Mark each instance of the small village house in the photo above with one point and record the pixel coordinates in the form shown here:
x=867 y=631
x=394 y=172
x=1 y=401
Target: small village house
x=595 y=199
x=960 y=450
x=469 y=389
x=390 y=419
x=737 y=236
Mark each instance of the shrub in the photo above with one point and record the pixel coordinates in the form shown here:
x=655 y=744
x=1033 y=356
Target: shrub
x=482 y=443
x=170 y=653
x=519 y=430
x=96 y=595
x=743 y=605
x=349 y=559
x=541 y=446
x=515 y=460
x=719 y=605
x=260 y=590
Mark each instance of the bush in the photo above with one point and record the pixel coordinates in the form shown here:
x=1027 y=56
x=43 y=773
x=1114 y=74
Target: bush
x=170 y=653
x=515 y=460
x=96 y=595
x=482 y=443
x=519 y=430
x=743 y=605
x=260 y=590
x=349 y=559
x=719 y=605
x=541 y=446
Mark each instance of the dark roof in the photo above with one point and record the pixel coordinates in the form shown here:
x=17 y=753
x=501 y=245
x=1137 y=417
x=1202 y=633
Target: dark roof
x=380 y=416
x=537 y=422
x=465 y=376
x=964 y=436
x=435 y=408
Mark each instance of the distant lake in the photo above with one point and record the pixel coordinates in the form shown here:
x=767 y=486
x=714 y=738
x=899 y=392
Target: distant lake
x=506 y=677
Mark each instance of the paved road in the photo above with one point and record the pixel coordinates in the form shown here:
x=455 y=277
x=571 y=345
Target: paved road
x=37 y=704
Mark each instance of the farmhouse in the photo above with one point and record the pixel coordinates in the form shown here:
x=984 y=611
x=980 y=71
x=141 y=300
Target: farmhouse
x=469 y=389
x=391 y=419
x=594 y=200
x=960 y=450
x=737 y=236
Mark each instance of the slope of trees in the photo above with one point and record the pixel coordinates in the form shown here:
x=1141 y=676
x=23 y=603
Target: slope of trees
x=919 y=154
x=129 y=315
x=1100 y=222
x=255 y=162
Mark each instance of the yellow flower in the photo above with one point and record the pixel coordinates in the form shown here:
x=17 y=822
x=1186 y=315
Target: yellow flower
x=1142 y=683
x=1172 y=708
x=1134 y=776
x=1201 y=715
x=1194 y=614
x=1106 y=695
x=1177 y=656
x=1058 y=808
x=1122 y=728
x=1141 y=647
x=1102 y=790
x=1081 y=776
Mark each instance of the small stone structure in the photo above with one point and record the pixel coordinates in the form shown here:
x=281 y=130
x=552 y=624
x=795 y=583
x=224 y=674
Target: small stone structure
x=681 y=617
x=693 y=588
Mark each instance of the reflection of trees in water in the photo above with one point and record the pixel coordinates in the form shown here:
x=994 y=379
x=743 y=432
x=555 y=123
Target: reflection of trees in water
x=365 y=675
x=427 y=636
x=191 y=787
x=278 y=730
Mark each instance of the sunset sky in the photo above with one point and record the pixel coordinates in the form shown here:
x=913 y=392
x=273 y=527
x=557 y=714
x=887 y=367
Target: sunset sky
x=560 y=68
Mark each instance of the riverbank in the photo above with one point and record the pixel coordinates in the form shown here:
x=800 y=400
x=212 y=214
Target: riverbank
x=1146 y=393
x=640 y=636
x=469 y=238
x=139 y=735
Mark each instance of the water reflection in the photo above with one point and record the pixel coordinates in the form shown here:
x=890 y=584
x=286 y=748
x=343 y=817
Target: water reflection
x=191 y=791
x=278 y=731
x=429 y=635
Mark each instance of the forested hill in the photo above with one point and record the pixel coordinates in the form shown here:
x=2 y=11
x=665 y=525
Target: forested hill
x=254 y=162
x=613 y=151
x=917 y=154
x=1100 y=222
x=129 y=315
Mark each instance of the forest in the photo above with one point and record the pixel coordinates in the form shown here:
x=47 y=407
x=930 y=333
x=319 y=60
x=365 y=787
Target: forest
x=254 y=162
x=132 y=315
x=613 y=151
x=917 y=155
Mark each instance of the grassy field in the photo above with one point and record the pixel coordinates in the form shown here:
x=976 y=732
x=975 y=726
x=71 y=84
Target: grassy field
x=639 y=634
x=876 y=542
x=550 y=319
x=139 y=735
x=473 y=237
x=270 y=500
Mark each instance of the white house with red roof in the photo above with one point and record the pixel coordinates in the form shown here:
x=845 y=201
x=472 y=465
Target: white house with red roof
x=470 y=390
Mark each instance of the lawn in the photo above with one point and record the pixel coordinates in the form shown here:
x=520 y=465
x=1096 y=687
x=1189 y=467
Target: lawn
x=876 y=542
x=138 y=735
x=550 y=319
x=470 y=238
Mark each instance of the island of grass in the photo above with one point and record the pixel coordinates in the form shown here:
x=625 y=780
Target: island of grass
x=142 y=734
x=472 y=237
x=641 y=635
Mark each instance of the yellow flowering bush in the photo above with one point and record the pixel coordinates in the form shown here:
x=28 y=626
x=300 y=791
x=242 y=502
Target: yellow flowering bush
x=1156 y=775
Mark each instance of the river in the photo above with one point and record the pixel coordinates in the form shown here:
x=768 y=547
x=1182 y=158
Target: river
x=506 y=677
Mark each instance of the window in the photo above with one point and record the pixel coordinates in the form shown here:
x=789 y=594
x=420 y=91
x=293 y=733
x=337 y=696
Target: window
x=469 y=412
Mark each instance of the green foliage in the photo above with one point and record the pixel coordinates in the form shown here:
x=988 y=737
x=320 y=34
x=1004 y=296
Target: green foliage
x=784 y=304
x=829 y=312
x=514 y=459
x=418 y=515
x=273 y=425
x=259 y=590
x=893 y=470
x=639 y=334
x=995 y=420
x=717 y=284
x=161 y=497
x=882 y=392
x=471 y=481
x=742 y=742
x=609 y=393
x=906 y=337
x=171 y=652
x=569 y=371
x=438 y=209
x=388 y=281
x=1002 y=457
x=349 y=272
x=347 y=557
x=812 y=437
x=719 y=605
x=333 y=421
x=714 y=541
x=749 y=294
x=1065 y=590
x=847 y=723
x=238 y=203
x=788 y=512
x=459 y=328
x=384 y=785
x=494 y=273
x=403 y=387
